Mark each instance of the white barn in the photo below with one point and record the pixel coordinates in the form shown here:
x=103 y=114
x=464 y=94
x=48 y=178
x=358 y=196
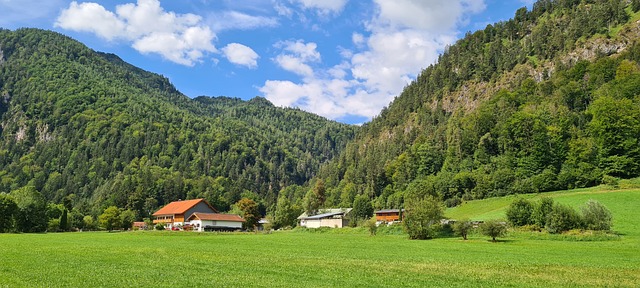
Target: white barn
x=334 y=218
x=215 y=221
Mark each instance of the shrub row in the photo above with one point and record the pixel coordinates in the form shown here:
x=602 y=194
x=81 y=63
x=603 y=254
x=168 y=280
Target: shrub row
x=558 y=218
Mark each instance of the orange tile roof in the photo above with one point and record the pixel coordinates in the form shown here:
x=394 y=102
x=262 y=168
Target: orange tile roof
x=217 y=217
x=179 y=207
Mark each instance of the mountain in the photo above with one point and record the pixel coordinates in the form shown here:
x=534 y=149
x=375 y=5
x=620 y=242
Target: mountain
x=87 y=126
x=548 y=100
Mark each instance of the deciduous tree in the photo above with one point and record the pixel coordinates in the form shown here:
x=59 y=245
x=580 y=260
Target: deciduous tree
x=8 y=212
x=493 y=229
x=421 y=214
x=110 y=218
x=250 y=212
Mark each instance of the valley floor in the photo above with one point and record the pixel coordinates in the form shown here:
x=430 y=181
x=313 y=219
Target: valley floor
x=336 y=258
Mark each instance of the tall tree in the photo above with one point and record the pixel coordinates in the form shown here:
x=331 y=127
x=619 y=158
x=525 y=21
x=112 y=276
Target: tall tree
x=421 y=214
x=362 y=208
x=250 y=212
x=110 y=218
x=8 y=212
x=31 y=210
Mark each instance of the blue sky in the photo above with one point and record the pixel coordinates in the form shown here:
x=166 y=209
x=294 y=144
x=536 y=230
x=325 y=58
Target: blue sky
x=341 y=59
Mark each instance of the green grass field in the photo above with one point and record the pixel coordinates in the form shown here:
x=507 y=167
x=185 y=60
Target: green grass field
x=337 y=258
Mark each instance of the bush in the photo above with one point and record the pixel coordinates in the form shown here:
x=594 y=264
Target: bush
x=53 y=225
x=519 y=212
x=562 y=218
x=462 y=228
x=541 y=210
x=493 y=229
x=371 y=225
x=610 y=181
x=453 y=202
x=596 y=216
x=160 y=226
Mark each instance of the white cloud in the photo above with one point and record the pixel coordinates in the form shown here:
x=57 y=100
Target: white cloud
x=93 y=18
x=241 y=55
x=229 y=20
x=433 y=16
x=323 y=7
x=180 y=38
x=282 y=9
x=296 y=56
x=357 y=39
x=404 y=37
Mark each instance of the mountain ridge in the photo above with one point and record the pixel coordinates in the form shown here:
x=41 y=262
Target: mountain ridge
x=84 y=123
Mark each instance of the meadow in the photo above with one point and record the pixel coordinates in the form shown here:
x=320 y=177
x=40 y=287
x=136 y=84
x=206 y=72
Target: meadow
x=332 y=258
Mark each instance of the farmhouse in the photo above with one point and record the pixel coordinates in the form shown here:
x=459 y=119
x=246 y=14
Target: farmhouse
x=389 y=215
x=215 y=221
x=176 y=214
x=335 y=218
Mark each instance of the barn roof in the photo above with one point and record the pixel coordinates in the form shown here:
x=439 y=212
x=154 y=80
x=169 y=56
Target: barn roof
x=388 y=211
x=325 y=215
x=180 y=207
x=325 y=211
x=216 y=217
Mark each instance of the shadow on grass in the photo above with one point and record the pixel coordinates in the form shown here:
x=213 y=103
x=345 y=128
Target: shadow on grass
x=501 y=241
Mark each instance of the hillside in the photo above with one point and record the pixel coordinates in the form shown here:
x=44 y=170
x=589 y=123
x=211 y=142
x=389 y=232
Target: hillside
x=545 y=101
x=617 y=200
x=87 y=124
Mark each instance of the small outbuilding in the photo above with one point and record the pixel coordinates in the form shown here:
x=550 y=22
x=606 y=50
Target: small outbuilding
x=334 y=218
x=215 y=222
x=389 y=215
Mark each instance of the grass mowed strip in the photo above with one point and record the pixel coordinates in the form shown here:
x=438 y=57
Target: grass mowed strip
x=333 y=258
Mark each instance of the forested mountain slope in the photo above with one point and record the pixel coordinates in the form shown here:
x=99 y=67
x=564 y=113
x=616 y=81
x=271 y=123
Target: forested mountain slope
x=75 y=121
x=548 y=100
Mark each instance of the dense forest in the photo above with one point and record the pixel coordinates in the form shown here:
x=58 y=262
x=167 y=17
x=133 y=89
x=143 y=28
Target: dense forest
x=89 y=129
x=545 y=101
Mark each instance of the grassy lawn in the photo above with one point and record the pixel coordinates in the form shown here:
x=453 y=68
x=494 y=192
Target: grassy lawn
x=338 y=258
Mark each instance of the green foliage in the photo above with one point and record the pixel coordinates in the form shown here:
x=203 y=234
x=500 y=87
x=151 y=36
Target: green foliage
x=362 y=208
x=562 y=218
x=491 y=119
x=8 y=213
x=93 y=126
x=64 y=221
x=493 y=229
x=422 y=215
x=541 y=210
x=110 y=218
x=160 y=227
x=596 y=216
x=372 y=226
x=462 y=228
x=89 y=223
x=286 y=213
x=54 y=225
x=31 y=210
x=635 y=5
x=315 y=198
x=127 y=217
x=520 y=212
